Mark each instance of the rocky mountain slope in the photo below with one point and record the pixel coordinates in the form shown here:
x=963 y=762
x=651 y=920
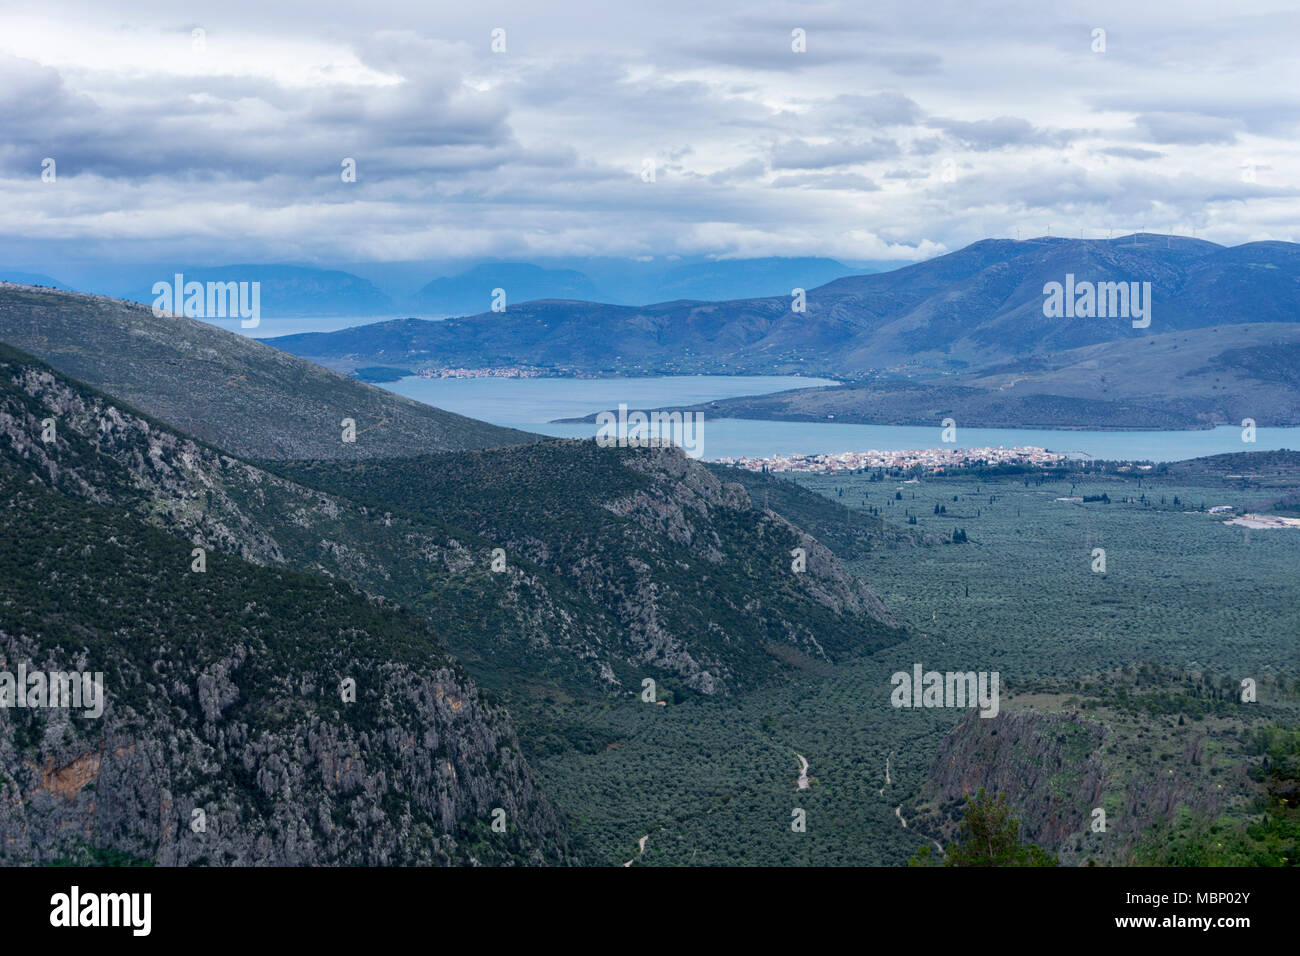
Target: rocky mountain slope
x=1152 y=749
x=225 y=736
x=695 y=579
x=618 y=563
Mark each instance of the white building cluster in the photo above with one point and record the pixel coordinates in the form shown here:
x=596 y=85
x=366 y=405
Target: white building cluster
x=502 y=371
x=929 y=459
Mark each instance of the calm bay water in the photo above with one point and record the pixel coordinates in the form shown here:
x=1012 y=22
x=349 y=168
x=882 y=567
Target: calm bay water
x=532 y=404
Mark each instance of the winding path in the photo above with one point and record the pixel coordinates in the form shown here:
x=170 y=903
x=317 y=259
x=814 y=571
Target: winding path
x=641 y=849
x=898 y=810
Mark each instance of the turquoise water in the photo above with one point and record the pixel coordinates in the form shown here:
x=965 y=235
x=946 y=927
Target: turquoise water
x=532 y=404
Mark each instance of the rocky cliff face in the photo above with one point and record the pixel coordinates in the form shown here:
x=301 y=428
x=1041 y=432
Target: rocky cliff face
x=1048 y=765
x=1057 y=769
x=684 y=490
x=110 y=454
x=228 y=734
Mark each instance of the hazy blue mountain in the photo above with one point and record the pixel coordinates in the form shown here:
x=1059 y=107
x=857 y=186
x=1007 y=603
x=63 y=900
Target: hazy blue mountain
x=629 y=282
x=289 y=291
x=624 y=281
x=470 y=292
x=462 y=288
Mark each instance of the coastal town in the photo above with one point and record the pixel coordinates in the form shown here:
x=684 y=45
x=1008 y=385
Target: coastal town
x=503 y=371
x=934 y=460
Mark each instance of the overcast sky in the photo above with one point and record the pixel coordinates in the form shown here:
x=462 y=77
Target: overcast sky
x=904 y=130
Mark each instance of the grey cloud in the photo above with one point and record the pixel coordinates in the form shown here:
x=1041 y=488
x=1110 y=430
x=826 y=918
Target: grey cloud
x=799 y=154
x=1263 y=108
x=1187 y=128
x=879 y=109
x=1000 y=133
x=745 y=172
x=475 y=153
x=1130 y=152
x=248 y=131
x=826 y=181
x=1130 y=198
x=768 y=46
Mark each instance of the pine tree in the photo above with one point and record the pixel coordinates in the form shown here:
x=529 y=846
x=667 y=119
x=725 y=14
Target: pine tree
x=990 y=836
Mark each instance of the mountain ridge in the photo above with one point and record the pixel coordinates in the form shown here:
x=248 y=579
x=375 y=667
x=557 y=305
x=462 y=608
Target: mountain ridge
x=246 y=397
x=981 y=304
x=597 y=608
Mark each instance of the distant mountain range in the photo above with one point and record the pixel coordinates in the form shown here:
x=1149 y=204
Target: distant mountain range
x=623 y=282
x=386 y=289
x=286 y=290
x=964 y=333
x=471 y=291
x=294 y=290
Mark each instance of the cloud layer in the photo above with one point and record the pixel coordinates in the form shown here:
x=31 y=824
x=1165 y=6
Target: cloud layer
x=897 y=130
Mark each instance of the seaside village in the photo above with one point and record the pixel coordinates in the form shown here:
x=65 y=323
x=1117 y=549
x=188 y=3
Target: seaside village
x=937 y=460
x=934 y=460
